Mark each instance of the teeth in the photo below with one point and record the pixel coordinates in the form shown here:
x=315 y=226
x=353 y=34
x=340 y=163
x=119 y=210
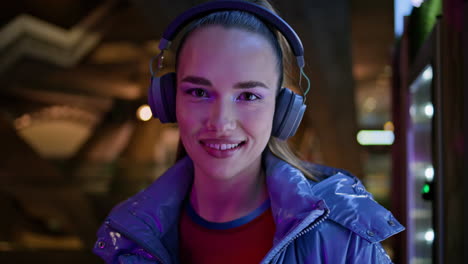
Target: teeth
x=222 y=146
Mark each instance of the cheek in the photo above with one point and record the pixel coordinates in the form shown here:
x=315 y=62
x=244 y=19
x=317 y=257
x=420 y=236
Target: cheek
x=187 y=124
x=259 y=121
x=186 y=118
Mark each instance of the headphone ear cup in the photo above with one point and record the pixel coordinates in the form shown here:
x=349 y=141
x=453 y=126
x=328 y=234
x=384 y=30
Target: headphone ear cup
x=162 y=97
x=289 y=111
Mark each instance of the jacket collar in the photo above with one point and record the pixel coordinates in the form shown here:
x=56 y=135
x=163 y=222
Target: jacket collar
x=292 y=199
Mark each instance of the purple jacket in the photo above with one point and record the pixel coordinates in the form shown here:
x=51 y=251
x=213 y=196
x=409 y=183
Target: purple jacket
x=332 y=221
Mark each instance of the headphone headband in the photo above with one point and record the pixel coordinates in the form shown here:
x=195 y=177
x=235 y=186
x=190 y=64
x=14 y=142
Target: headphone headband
x=264 y=14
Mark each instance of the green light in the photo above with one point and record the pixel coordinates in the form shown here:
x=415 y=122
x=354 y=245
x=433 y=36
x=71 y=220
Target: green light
x=426 y=188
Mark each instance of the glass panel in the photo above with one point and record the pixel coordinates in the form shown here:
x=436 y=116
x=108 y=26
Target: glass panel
x=421 y=172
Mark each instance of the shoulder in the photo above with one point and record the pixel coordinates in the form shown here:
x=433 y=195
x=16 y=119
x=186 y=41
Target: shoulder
x=135 y=226
x=349 y=204
x=355 y=226
x=354 y=208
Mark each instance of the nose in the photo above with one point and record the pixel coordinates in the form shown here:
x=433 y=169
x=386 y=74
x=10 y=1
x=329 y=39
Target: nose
x=221 y=118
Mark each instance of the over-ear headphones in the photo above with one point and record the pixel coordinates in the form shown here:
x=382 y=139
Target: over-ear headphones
x=290 y=107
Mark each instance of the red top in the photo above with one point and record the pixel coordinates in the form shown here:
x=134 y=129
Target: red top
x=244 y=240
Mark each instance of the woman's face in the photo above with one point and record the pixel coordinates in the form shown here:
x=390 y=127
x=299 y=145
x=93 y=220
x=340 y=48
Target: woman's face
x=226 y=89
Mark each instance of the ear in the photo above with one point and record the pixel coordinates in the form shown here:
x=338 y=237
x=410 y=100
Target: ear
x=289 y=111
x=162 y=97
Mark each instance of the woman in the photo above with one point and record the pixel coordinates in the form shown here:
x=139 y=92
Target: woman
x=236 y=193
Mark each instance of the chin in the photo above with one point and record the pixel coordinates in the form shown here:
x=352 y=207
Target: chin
x=215 y=168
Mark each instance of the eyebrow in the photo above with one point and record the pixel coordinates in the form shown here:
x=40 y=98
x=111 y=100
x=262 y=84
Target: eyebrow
x=249 y=84
x=240 y=85
x=197 y=80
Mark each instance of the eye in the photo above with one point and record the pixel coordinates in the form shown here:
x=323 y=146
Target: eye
x=197 y=92
x=248 y=97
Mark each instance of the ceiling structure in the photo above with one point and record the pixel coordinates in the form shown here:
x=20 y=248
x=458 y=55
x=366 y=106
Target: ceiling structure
x=87 y=54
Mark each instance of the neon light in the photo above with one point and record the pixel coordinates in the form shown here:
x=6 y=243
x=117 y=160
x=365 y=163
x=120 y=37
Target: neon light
x=427 y=74
x=426 y=188
x=429 y=173
x=375 y=137
x=402 y=8
x=429 y=110
x=429 y=235
x=417 y=3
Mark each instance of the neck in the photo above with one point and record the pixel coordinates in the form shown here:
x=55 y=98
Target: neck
x=219 y=199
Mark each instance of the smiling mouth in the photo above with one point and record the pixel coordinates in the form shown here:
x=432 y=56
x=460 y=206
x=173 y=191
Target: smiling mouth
x=222 y=147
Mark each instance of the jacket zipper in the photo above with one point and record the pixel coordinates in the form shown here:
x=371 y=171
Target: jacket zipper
x=305 y=231
x=308 y=229
x=125 y=233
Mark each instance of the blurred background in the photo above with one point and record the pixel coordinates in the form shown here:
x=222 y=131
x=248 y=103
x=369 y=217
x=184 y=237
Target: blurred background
x=389 y=86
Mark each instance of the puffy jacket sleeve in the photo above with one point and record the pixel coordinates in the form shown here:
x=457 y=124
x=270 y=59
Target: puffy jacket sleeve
x=114 y=248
